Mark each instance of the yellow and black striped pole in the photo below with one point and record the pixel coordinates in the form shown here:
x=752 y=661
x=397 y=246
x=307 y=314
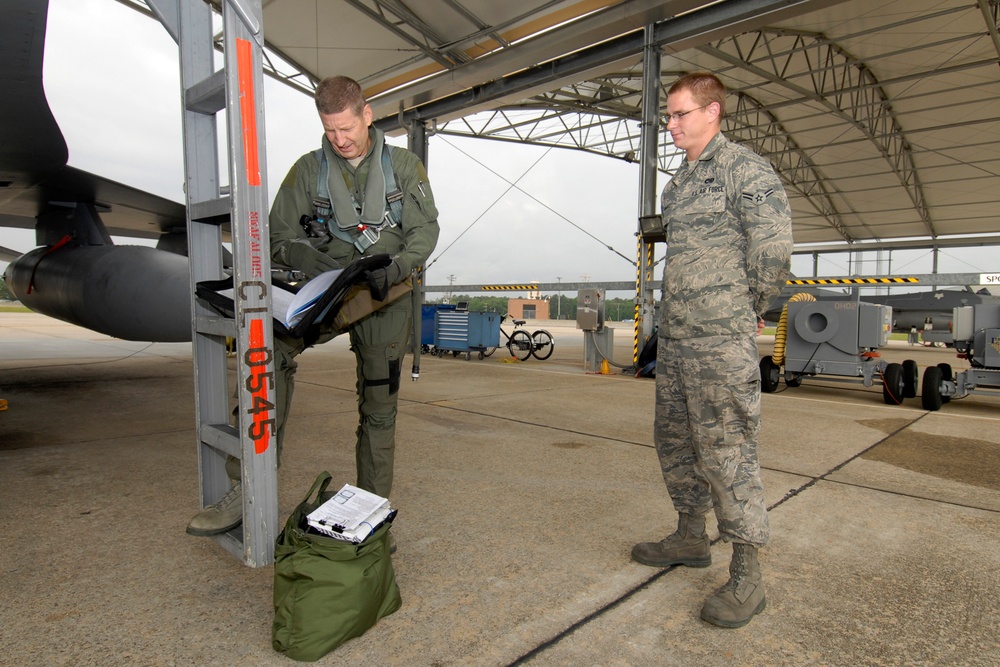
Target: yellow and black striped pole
x=644 y=262
x=891 y=280
x=509 y=288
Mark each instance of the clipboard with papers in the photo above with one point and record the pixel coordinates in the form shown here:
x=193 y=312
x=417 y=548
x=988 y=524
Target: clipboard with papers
x=351 y=515
x=297 y=309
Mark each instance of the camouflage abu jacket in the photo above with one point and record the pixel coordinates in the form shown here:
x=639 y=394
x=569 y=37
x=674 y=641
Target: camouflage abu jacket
x=410 y=243
x=729 y=243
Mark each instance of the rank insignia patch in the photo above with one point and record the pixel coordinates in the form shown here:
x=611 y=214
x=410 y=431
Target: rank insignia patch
x=758 y=198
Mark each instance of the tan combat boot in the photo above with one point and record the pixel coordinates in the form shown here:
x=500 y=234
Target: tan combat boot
x=687 y=546
x=743 y=595
x=221 y=517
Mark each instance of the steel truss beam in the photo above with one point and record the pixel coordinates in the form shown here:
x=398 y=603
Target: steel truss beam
x=602 y=115
x=753 y=124
x=833 y=80
x=991 y=14
x=618 y=136
x=278 y=67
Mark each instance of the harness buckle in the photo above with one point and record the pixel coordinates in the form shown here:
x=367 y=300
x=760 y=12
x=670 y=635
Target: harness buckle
x=369 y=237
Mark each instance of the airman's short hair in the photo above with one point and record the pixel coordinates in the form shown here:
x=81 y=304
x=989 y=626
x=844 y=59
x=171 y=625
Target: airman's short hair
x=704 y=87
x=337 y=93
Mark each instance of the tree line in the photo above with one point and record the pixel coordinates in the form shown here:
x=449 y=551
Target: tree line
x=5 y=293
x=560 y=306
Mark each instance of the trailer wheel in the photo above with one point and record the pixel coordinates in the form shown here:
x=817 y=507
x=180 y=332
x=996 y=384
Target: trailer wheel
x=910 y=378
x=769 y=375
x=946 y=376
x=793 y=381
x=930 y=390
x=892 y=384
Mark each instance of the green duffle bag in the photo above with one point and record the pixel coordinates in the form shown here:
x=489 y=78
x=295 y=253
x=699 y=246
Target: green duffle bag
x=327 y=591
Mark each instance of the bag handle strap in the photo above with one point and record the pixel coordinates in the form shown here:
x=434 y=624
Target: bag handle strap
x=297 y=517
x=321 y=483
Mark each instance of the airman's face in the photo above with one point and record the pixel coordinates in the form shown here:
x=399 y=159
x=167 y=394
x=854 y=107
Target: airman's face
x=696 y=125
x=347 y=132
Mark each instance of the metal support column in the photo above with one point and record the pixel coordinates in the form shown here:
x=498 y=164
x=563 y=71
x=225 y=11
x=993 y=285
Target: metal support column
x=417 y=141
x=649 y=134
x=241 y=207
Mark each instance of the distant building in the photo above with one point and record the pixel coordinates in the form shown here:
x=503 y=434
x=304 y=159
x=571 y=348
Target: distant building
x=528 y=309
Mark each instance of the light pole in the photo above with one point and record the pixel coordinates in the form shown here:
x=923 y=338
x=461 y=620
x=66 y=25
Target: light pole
x=559 y=299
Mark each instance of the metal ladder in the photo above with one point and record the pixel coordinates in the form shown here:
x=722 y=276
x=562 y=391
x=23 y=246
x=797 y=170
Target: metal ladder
x=238 y=89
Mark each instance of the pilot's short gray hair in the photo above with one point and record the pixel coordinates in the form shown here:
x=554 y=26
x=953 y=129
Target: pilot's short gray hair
x=337 y=93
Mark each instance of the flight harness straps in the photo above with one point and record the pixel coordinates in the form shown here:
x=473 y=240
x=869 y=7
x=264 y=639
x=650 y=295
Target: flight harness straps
x=367 y=234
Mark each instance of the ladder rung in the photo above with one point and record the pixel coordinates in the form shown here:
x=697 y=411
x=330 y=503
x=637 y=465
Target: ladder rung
x=215 y=325
x=223 y=437
x=212 y=211
x=208 y=96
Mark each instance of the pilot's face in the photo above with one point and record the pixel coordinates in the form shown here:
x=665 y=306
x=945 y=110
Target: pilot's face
x=348 y=132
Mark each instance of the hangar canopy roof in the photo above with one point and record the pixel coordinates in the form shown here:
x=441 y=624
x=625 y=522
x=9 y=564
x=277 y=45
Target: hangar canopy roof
x=882 y=116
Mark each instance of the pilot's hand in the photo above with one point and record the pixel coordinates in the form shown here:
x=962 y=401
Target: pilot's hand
x=380 y=280
x=305 y=258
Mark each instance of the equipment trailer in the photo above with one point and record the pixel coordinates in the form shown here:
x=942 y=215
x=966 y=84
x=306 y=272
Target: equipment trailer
x=837 y=338
x=976 y=332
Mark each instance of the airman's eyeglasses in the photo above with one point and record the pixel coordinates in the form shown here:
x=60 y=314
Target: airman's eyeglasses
x=680 y=114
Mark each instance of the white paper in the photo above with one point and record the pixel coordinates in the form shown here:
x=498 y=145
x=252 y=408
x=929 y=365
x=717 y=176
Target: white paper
x=285 y=303
x=281 y=301
x=347 y=510
x=307 y=297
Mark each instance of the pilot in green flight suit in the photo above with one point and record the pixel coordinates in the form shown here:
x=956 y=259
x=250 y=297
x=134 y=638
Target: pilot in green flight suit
x=352 y=150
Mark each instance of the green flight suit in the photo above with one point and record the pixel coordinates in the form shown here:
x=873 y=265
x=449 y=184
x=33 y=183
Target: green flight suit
x=378 y=340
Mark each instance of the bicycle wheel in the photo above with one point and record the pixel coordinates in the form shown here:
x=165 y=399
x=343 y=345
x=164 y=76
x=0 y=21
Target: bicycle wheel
x=520 y=345
x=542 y=344
x=488 y=351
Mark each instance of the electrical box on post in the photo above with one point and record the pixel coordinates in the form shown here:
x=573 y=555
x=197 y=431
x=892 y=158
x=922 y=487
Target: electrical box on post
x=590 y=309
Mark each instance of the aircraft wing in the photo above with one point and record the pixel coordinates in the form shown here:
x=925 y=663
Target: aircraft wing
x=126 y=211
x=79 y=275
x=33 y=153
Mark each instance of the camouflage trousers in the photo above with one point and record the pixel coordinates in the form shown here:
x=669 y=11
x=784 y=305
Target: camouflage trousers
x=707 y=422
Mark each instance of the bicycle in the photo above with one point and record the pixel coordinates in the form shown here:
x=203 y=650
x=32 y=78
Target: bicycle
x=522 y=345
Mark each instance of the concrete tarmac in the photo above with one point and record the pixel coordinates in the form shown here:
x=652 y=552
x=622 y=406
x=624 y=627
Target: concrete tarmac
x=521 y=489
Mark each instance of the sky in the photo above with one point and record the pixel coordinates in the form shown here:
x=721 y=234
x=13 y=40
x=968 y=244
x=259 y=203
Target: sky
x=112 y=80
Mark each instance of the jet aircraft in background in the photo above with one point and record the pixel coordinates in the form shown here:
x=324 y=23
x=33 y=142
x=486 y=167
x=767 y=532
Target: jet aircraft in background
x=78 y=274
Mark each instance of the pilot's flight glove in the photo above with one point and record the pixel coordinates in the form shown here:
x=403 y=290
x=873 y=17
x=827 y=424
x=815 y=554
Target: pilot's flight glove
x=380 y=280
x=311 y=262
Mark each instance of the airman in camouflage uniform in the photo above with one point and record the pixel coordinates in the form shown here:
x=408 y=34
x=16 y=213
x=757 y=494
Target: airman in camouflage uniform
x=352 y=148
x=728 y=235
